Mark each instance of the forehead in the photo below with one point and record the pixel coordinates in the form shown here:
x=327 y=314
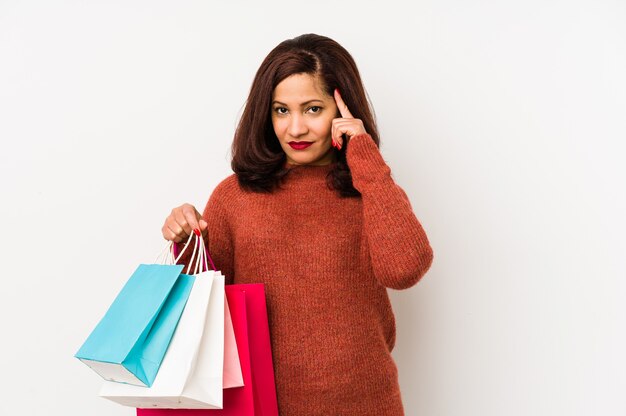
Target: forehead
x=299 y=88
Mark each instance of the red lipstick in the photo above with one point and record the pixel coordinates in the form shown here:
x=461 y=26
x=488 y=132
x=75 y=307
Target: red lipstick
x=300 y=145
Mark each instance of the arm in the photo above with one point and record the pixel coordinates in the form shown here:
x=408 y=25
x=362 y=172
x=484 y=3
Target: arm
x=399 y=248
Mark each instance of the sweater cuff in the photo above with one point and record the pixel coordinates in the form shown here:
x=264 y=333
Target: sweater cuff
x=365 y=161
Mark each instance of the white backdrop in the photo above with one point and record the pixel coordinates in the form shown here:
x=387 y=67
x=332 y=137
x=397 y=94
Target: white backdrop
x=503 y=121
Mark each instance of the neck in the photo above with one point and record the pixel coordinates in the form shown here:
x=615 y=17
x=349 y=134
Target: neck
x=290 y=165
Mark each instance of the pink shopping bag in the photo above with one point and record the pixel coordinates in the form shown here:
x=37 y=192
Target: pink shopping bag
x=257 y=397
x=232 y=376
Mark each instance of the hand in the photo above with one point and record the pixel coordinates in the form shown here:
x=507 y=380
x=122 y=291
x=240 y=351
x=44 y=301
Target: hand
x=347 y=124
x=181 y=222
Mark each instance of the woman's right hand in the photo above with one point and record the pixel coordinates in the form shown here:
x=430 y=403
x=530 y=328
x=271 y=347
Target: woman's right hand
x=181 y=222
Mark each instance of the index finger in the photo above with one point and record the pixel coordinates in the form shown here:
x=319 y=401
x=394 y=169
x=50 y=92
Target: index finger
x=343 y=108
x=193 y=217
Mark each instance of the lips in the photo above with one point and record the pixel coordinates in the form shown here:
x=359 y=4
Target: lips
x=300 y=145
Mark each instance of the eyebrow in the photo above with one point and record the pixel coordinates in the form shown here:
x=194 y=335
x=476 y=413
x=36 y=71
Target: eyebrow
x=304 y=103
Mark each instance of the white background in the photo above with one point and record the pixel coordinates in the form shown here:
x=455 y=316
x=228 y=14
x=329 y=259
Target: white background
x=503 y=121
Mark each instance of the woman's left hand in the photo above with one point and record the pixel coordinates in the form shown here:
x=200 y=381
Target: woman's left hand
x=347 y=124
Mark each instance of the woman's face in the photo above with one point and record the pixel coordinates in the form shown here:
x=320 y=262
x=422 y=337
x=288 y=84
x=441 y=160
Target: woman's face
x=302 y=112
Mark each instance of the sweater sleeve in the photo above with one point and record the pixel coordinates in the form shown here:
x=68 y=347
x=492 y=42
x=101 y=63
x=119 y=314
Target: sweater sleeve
x=218 y=238
x=400 y=252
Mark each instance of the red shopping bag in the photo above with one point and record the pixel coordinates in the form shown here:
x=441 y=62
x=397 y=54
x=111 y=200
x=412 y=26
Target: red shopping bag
x=258 y=395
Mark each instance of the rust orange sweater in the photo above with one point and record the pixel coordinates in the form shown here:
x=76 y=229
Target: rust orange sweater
x=326 y=262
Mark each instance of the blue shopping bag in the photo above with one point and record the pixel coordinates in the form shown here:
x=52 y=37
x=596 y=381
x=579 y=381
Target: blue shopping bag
x=130 y=341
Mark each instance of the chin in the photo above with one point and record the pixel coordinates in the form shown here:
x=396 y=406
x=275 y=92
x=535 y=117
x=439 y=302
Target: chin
x=302 y=160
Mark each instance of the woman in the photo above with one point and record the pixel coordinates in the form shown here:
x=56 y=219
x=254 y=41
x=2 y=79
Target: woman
x=313 y=213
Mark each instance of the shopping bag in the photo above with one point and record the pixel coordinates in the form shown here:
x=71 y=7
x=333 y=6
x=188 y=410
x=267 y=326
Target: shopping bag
x=129 y=342
x=185 y=379
x=191 y=374
x=258 y=395
x=232 y=368
x=249 y=301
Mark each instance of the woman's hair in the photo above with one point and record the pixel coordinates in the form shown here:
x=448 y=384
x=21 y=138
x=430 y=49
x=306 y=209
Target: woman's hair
x=257 y=157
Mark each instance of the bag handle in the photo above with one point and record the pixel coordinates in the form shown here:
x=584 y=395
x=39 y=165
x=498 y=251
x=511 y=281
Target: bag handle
x=168 y=254
x=201 y=258
x=193 y=257
x=204 y=251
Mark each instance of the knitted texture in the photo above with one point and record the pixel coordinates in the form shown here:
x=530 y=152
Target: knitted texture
x=326 y=262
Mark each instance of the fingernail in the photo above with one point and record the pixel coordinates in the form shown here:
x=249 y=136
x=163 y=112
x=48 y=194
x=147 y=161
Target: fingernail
x=196 y=232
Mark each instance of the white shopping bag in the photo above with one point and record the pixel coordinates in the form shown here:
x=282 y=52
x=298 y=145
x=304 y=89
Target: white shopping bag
x=191 y=375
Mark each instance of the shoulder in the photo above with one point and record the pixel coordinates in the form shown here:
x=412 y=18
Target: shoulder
x=228 y=184
x=226 y=191
x=226 y=187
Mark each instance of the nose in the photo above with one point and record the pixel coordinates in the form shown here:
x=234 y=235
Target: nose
x=297 y=126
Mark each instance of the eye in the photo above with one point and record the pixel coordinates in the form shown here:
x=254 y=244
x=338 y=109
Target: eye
x=277 y=109
x=318 y=108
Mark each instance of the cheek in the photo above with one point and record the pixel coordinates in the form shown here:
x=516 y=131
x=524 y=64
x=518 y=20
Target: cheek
x=325 y=126
x=279 y=127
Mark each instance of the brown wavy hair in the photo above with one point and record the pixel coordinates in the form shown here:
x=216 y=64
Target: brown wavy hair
x=257 y=157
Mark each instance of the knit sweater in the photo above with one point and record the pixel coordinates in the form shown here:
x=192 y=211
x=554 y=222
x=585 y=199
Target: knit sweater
x=326 y=262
